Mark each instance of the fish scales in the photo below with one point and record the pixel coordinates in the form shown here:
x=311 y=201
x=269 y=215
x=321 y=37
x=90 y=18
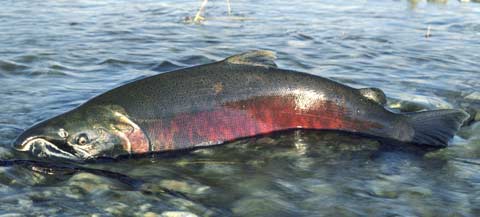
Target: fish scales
x=242 y=96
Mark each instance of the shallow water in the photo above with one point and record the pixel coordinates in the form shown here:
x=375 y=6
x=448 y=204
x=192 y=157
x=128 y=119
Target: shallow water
x=55 y=55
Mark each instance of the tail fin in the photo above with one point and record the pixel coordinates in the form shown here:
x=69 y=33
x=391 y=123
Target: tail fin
x=436 y=128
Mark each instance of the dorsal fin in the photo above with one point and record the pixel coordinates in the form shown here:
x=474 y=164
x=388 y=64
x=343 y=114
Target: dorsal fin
x=374 y=94
x=263 y=58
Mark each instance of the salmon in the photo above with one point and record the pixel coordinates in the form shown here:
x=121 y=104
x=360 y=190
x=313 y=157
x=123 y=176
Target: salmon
x=242 y=96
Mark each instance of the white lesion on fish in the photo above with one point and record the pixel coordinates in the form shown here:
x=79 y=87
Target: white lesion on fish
x=305 y=99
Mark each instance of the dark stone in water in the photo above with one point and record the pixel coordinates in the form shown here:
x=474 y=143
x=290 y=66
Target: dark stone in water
x=474 y=112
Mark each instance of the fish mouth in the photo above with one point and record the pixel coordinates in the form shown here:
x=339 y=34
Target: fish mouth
x=42 y=147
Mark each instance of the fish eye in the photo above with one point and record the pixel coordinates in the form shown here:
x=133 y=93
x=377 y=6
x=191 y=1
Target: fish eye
x=82 y=139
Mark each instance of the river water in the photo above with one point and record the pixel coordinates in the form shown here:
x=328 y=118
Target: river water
x=54 y=55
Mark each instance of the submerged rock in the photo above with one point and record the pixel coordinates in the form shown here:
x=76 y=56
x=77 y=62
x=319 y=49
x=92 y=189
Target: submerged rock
x=184 y=204
x=177 y=214
x=117 y=208
x=150 y=214
x=383 y=189
x=184 y=187
x=474 y=113
x=262 y=206
x=418 y=103
x=418 y=191
x=12 y=215
x=473 y=96
x=5 y=153
x=89 y=182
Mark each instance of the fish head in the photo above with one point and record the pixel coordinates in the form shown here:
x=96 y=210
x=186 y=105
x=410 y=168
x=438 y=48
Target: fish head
x=85 y=133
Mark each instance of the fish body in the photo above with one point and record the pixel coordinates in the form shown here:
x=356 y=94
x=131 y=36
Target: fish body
x=242 y=96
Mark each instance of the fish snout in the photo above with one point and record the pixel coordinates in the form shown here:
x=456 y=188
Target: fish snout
x=41 y=143
x=26 y=139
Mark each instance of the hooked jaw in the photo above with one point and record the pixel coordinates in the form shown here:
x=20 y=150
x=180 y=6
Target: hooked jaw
x=44 y=146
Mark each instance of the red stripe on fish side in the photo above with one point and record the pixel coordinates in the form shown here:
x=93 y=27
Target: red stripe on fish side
x=259 y=115
x=161 y=134
x=202 y=128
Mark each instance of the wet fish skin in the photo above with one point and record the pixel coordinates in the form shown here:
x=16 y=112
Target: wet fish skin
x=243 y=96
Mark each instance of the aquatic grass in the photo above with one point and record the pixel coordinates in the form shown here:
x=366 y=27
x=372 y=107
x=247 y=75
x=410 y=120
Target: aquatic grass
x=428 y=34
x=199 y=17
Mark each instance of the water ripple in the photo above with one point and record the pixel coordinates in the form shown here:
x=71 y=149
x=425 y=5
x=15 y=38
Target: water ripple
x=57 y=54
